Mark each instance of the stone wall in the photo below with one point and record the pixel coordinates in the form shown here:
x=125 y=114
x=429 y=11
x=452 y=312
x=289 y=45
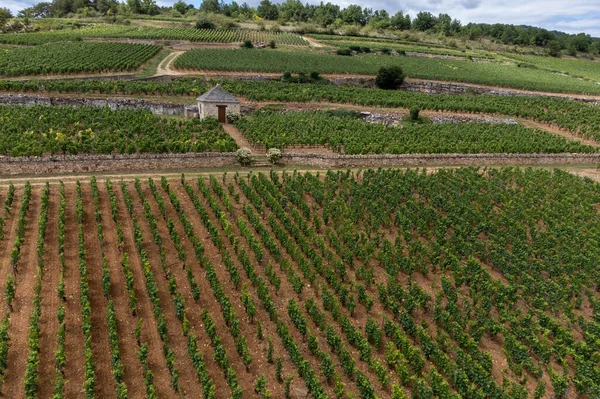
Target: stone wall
x=383 y=160
x=157 y=162
x=112 y=103
x=432 y=87
x=211 y=109
x=113 y=163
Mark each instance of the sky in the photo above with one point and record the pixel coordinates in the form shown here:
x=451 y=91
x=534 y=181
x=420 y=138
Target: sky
x=571 y=16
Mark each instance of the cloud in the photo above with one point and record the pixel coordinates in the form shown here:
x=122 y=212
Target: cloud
x=470 y=4
x=569 y=16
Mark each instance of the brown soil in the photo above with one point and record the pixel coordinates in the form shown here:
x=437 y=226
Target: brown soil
x=312 y=42
x=177 y=341
x=74 y=368
x=126 y=322
x=22 y=304
x=101 y=347
x=6 y=244
x=240 y=140
x=50 y=302
x=165 y=67
x=149 y=335
x=557 y=130
x=257 y=347
x=313 y=291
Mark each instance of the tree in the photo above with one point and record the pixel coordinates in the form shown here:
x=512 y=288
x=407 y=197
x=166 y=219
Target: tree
x=400 y=21
x=134 y=6
x=213 y=6
x=554 y=48
x=40 y=10
x=204 y=23
x=5 y=15
x=326 y=14
x=292 y=10
x=581 y=42
x=424 y=21
x=181 y=7
x=389 y=78
x=267 y=10
x=353 y=14
x=149 y=7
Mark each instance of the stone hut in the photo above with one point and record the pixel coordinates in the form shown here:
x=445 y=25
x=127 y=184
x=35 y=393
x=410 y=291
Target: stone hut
x=218 y=102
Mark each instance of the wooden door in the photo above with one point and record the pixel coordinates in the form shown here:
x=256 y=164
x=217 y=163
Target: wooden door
x=222 y=113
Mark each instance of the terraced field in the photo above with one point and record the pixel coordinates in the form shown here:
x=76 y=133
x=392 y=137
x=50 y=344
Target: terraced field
x=75 y=57
x=459 y=283
x=489 y=73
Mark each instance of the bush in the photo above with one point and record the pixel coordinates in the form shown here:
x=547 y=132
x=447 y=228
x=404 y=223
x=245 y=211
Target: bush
x=204 y=23
x=344 y=51
x=287 y=75
x=389 y=78
x=244 y=156
x=386 y=51
x=247 y=44
x=272 y=44
x=273 y=155
x=414 y=113
x=314 y=75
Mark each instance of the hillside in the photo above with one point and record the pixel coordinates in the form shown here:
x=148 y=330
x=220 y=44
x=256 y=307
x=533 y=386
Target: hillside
x=148 y=253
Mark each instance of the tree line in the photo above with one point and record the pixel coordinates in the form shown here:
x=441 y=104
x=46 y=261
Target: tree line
x=332 y=16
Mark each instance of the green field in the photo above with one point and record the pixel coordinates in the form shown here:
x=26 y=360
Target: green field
x=378 y=46
x=581 y=118
x=570 y=115
x=42 y=130
x=354 y=136
x=577 y=68
x=74 y=57
x=178 y=87
x=125 y=32
x=489 y=73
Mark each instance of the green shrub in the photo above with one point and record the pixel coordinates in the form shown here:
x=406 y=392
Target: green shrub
x=389 y=78
x=205 y=23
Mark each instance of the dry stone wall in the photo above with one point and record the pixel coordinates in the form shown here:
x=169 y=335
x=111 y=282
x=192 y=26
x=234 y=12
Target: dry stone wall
x=113 y=163
x=155 y=162
x=389 y=160
x=112 y=103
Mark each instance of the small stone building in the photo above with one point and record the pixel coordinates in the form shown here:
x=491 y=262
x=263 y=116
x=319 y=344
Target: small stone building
x=218 y=102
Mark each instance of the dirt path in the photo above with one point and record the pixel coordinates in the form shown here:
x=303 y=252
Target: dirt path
x=556 y=130
x=240 y=140
x=165 y=67
x=297 y=106
x=313 y=43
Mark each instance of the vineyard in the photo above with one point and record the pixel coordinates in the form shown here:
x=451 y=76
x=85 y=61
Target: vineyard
x=40 y=130
x=387 y=283
x=178 y=87
x=123 y=32
x=580 y=118
x=355 y=136
x=75 y=57
x=490 y=73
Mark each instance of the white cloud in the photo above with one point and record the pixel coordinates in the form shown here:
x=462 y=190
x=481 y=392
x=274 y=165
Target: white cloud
x=570 y=16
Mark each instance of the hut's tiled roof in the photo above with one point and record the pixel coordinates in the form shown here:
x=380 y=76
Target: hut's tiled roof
x=218 y=95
